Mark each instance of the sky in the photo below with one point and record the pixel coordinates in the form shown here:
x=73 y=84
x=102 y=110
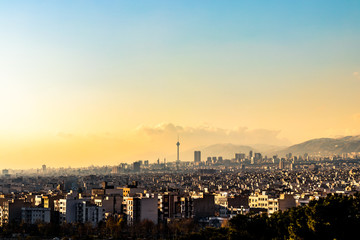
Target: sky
x=103 y=82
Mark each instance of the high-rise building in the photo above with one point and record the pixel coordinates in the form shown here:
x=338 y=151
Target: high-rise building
x=116 y=170
x=250 y=154
x=281 y=163
x=239 y=156
x=257 y=156
x=137 y=166
x=197 y=156
x=208 y=161
x=44 y=168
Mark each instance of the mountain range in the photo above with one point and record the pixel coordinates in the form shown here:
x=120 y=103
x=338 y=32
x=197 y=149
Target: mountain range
x=325 y=146
x=319 y=146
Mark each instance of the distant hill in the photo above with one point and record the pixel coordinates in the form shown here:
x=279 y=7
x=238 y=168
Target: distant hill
x=321 y=146
x=324 y=146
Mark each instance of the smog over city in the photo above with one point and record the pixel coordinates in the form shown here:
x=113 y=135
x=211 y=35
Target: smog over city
x=179 y=119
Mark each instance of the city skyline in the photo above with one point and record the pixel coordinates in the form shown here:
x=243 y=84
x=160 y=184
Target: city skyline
x=101 y=83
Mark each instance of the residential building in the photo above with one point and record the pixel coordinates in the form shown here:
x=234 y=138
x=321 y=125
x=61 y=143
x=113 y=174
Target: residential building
x=34 y=215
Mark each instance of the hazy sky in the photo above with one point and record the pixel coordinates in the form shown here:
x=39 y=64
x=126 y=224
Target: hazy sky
x=103 y=82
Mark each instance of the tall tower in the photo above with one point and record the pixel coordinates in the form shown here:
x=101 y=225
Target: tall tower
x=178 y=159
